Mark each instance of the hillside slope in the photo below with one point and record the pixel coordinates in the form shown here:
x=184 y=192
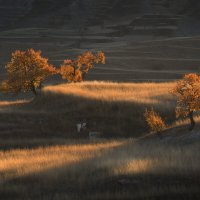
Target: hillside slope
x=92 y=12
x=115 y=109
x=144 y=40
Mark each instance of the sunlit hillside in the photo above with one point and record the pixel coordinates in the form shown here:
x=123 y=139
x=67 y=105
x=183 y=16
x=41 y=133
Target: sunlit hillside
x=115 y=109
x=39 y=161
x=142 y=93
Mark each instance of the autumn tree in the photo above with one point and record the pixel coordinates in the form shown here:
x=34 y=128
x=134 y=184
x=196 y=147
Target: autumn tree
x=76 y=70
x=26 y=71
x=187 y=92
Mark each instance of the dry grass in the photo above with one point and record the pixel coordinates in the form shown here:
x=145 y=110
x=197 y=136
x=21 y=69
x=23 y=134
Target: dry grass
x=146 y=169
x=116 y=109
x=18 y=163
x=43 y=168
x=9 y=105
x=143 y=93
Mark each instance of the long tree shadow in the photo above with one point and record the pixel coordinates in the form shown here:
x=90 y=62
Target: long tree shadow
x=59 y=113
x=55 y=113
x=96 y=178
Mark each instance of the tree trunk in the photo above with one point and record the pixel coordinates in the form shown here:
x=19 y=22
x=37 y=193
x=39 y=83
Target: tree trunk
x=40 y=86
x=83 y=76
x=34 y=90
x=191 y=116
x=74 y=74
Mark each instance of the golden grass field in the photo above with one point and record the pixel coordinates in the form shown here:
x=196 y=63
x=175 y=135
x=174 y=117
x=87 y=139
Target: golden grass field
x=105 y=169
x=116 y=109
x=43 y=157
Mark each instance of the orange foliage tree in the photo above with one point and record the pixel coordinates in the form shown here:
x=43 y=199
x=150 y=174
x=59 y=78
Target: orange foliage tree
x=187 y=92
x=75 y=70
x=26 y=71
x=154 y=121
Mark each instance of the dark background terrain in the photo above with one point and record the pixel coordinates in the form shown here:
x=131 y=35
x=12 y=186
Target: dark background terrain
x=48 y=13
x=144 y=40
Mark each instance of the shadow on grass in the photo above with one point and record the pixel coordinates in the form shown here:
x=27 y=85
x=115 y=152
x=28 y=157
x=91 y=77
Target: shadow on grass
x=55 y=115
x=93 y=178
x=112 y=118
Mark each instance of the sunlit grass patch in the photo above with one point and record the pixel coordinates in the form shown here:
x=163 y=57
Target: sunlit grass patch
x=101 y=170
x=11 y=104
x=113 y=92
x=115 y=109
x=16 y=163
x=136 y=166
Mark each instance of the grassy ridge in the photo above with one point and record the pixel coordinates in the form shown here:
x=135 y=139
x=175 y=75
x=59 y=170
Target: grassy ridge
x=116 y=109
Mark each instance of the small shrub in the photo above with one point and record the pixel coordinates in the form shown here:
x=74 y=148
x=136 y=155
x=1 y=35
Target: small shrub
x=154 y=121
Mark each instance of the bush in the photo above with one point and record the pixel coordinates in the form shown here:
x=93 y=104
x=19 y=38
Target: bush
x=154 y=121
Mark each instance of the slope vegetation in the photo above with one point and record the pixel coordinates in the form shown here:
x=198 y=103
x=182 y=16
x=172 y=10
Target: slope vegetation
x=115 y=109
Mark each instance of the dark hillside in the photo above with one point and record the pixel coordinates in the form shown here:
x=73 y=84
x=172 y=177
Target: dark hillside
x=16 y=13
